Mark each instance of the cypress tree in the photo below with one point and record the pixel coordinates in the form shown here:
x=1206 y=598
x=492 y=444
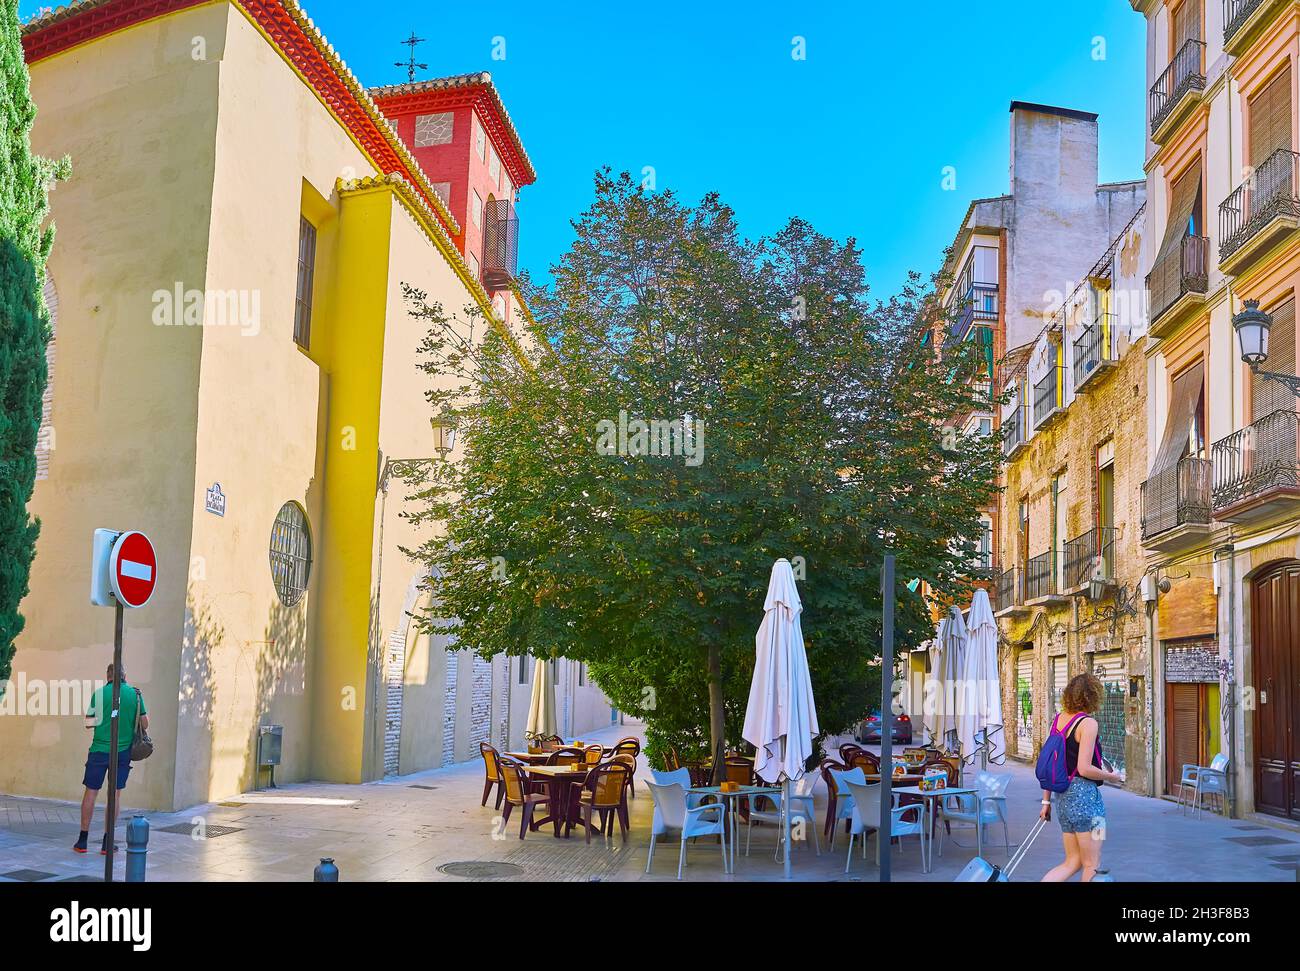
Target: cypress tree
x=24 y=323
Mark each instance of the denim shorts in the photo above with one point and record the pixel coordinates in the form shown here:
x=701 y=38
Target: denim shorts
x=97 y=768
x=1079 y=809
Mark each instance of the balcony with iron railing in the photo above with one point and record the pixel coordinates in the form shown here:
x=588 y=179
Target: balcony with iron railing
x=1006 y=591
x=500 y=245
x=1040 y=578
x=1094 y=349
x=1176 y=506
x=1013 y=430
x=1244 y=21
x=978 y=302
x=1259 y=211
x=1178 y=282
x=1049 y=396
x=1088 y=556
x=1256 y=473
x=1177 y=89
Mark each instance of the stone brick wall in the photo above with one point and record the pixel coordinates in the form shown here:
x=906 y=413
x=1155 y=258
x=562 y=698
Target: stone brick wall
x=449 y=710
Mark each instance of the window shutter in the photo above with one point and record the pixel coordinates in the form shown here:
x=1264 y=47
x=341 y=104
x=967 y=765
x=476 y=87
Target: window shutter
x=1187 y=24
x=1185 y=724
x=1269 y=396
x=1270 y=118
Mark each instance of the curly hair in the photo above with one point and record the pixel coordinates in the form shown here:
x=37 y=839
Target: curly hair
x=1083 y=693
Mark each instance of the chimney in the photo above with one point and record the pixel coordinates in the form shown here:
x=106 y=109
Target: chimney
x=1053 y=154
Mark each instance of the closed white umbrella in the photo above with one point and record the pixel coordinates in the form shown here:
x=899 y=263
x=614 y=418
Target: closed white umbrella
x=781 y=718
x=932 y=705
x=982 y=711
x=954 y=658
x=541 y=707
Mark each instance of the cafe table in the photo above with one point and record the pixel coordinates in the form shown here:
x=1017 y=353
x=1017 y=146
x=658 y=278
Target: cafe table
x=557 y=778
x=931 y=798
x=731 y=799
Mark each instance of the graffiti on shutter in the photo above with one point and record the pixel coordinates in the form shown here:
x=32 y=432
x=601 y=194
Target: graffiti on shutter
x=1025 y=705
x=1111 y=670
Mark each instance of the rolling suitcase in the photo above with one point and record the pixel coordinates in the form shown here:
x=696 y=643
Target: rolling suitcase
x=979 y=870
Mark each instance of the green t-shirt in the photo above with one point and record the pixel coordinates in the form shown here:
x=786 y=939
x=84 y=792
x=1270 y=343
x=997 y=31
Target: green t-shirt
x=102 y=702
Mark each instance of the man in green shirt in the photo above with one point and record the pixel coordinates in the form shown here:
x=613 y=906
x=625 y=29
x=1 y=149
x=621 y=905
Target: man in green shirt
x=98 y=760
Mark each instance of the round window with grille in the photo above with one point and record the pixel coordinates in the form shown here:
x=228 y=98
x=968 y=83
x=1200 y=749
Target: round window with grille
x=290 y=553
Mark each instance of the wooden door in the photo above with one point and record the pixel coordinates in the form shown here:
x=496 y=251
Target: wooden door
x=1186 y=731
x=1275 y=646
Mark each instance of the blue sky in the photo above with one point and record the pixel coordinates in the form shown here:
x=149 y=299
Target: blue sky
x=855 y=138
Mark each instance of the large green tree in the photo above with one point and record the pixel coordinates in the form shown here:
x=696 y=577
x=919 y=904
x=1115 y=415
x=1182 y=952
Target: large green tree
x=25 y=243
x=815 y=429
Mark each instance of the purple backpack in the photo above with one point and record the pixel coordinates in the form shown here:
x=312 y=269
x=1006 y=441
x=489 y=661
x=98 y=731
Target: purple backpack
x=1054 y=775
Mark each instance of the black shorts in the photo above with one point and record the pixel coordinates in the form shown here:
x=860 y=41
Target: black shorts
x=97 y=768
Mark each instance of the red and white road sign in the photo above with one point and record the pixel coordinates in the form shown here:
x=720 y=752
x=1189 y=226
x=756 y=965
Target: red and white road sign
x=133 y=569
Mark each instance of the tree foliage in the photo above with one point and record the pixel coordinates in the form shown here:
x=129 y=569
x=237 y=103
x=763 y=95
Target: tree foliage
x=25 y=243
x=822 y=424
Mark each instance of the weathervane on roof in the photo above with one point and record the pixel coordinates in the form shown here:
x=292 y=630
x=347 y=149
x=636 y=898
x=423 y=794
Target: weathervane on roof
x=411 y=65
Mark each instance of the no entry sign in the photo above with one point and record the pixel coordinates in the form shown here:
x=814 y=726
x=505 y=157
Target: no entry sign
x=133 y=569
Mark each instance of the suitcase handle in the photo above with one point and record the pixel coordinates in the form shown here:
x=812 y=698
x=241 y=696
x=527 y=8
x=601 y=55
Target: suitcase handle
x=1023 y=848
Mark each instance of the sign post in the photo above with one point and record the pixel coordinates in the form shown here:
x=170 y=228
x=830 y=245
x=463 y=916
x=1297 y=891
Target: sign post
x=124 y=572
x=885 y=838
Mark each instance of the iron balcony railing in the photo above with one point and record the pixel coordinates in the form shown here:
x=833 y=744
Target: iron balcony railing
x=1255 y=460
x=1013 y=430
x=1235 y=15
x=1048 y=394
x=1009 y=591
x=979 y=301
x=1089 y=555
x=1182 y=271
x=1040 y=576
x=1178 y=496
x=500 y=245
x=1094 y=347
x=1186 y=72
x=1271 y=191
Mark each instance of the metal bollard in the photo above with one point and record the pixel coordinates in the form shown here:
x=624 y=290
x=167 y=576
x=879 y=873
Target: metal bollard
x=326 y=872
x=137 y=848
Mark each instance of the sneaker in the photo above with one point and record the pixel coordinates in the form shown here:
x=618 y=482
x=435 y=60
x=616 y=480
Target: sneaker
x=103 y=848
x=79 y=846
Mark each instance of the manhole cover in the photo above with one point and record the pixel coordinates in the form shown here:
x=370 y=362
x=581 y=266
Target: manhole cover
x=1258 y=840
x=191 y=829
x=481 y=870
x=421 y=787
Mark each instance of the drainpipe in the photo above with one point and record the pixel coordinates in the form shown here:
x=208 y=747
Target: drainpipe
x=1230 y=703
x=1152 y=733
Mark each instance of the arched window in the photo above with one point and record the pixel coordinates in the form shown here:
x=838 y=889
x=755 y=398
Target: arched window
x=45 y=437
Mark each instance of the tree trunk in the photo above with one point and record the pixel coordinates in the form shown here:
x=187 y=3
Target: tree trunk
x=717 y=720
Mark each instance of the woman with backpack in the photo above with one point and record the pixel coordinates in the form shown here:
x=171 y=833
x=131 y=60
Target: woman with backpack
x=1071 y=767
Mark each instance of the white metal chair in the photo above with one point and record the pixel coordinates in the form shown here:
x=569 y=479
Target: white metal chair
x=673 y=813
x=844 y=797
x=801 y=811
x=1192 y=776
x=989 y=805
x=865 y=819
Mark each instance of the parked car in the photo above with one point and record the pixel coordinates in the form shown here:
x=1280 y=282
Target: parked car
x=869 y=729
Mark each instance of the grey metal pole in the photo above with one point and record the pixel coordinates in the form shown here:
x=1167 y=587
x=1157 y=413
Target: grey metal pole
x=137 y=848
x=110 y=812
x=884 y=839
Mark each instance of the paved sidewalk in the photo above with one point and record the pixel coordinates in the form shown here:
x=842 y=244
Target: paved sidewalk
x=409 y=828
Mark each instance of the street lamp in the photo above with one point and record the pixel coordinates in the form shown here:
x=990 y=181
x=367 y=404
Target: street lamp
x=444 y=432
x=1252 y=326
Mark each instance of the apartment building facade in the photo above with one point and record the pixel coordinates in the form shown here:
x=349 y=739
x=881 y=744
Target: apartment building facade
x=256 y=442
x=1069 y=591
x=1221 y=503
